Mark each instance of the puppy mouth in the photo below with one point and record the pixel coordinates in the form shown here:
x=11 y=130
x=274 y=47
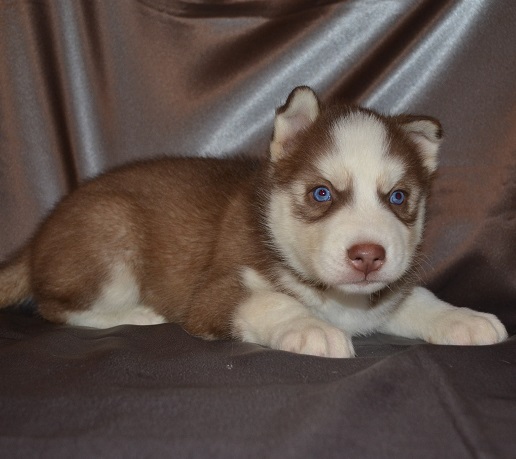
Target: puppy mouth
x=361 y=288
x=344 y=277
x=365 y=280
x=366 y=285
x=370 y=278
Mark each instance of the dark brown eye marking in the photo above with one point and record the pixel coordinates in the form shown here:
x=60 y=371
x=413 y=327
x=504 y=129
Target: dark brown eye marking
x=320 y=200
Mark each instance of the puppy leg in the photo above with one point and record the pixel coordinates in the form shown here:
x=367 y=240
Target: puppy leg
x=423 y=315
x=279 y=321
x=117 y=302
x=107 y=316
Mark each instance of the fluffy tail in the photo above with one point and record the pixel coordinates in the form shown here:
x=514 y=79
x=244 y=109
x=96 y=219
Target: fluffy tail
x=15 y=279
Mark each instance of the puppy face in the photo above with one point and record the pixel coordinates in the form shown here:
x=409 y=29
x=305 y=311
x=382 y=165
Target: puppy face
x=348 y=203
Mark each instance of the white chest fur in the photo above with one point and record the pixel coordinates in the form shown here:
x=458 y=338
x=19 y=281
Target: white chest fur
x=353 y=313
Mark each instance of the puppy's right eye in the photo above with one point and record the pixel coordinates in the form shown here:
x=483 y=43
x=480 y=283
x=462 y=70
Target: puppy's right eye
x=397 y=197
x=321 y=194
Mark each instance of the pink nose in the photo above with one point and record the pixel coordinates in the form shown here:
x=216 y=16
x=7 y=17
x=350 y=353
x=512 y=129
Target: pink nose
x=367 y=257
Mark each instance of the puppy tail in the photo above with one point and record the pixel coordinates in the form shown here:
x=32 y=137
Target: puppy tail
x=15 y=279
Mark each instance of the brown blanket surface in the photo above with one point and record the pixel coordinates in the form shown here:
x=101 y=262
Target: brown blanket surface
x=158 y=392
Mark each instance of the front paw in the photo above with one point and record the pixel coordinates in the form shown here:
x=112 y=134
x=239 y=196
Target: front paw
x=463 y=326
x=314 y=337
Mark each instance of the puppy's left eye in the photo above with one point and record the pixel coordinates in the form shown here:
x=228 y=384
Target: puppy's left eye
x=321 y=194
x=397 y=197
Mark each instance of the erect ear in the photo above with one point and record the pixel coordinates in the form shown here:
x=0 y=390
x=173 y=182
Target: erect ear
x=427 y=133
x=300 y=110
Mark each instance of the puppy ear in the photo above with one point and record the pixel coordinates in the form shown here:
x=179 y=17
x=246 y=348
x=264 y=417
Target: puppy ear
x=300 y=110
x=427 y=133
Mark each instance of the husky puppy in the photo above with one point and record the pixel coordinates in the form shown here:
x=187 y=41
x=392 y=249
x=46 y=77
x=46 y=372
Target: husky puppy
x=299 y=251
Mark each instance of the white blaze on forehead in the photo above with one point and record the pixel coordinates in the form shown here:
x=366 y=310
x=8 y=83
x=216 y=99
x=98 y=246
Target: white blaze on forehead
x=359 y=155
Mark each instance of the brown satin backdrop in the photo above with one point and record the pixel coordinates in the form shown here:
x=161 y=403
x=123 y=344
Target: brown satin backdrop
x=88 y=85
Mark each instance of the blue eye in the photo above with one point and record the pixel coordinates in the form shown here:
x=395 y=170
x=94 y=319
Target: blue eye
x=397 y=197
x=321 y=194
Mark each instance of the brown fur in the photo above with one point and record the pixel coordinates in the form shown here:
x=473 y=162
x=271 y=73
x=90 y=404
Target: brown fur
x=184 y=226
x=15 y=282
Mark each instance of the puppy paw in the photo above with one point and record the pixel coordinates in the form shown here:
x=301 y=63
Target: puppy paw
x=463 y=326
x=314 y=337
